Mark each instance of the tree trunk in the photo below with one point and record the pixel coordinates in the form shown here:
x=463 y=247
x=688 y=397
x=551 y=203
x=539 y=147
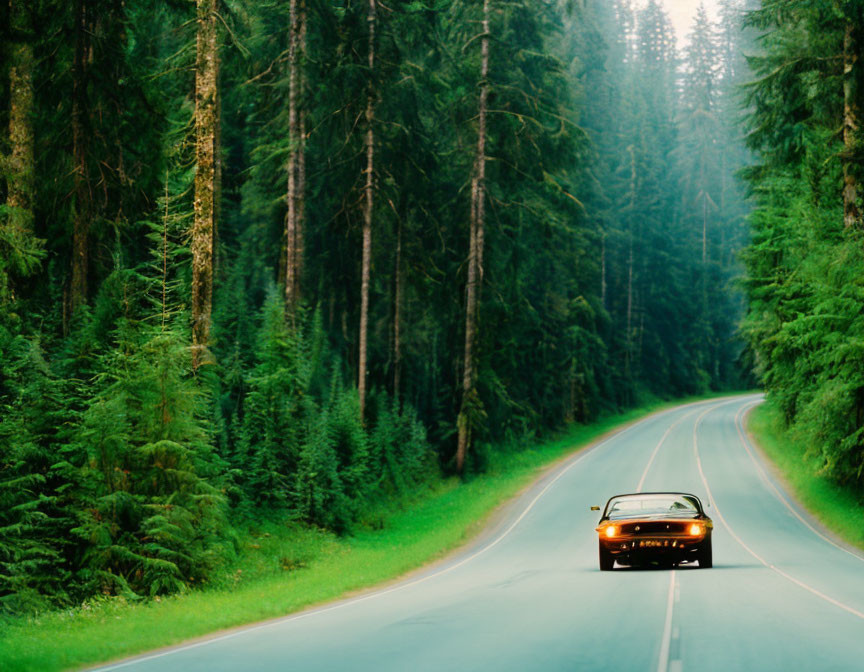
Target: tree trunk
x=397 y=313
x=704 y=186
x=851 y=215
x=217 y=179
x=19 y=173
x=206 y=89
x=603 y=270
x=165 y=256
x=480 y=180
x=628 y=354
x=367 y=217
x=301 y=156
x=291 y=168
x=475 y=253
x=81 y=217
x=704 y=229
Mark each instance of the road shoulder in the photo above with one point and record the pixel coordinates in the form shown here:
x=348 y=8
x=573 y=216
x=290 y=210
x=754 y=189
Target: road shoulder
x=831 y=510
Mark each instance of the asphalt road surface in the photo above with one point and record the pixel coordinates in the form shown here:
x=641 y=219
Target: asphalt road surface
x=530 y=596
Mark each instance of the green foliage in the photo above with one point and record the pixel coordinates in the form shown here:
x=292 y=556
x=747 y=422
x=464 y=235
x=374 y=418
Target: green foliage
x=400 y=459
x=267 y=452
x=804 y=266
x=154 y=522
x=35 y=515
x=302 y=447
x=20 y=253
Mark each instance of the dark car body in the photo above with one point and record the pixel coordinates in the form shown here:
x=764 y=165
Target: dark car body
x=664 y=528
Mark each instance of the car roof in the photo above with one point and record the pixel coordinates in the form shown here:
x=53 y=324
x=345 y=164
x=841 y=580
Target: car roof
x=698 y=501
x=640 y=494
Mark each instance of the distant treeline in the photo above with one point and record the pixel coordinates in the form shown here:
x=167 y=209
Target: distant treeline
x=299 y=258
x=805 y=266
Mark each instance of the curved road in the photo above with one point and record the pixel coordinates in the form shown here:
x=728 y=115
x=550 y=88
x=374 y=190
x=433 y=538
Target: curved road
x=529 y=596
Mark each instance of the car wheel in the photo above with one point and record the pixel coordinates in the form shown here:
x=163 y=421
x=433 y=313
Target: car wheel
x=705 y=557
x=606 y=560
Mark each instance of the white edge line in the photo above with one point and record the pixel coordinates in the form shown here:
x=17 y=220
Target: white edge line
x=719 y=515
x=287 y=619
x=665 y=642
x=739 y=425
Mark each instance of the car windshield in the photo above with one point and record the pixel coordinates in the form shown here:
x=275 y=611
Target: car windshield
x=634 y=506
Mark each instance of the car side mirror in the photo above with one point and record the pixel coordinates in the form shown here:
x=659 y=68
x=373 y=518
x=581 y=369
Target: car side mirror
x=595 y=508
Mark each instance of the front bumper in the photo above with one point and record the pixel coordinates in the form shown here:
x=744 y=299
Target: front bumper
x=648 y=548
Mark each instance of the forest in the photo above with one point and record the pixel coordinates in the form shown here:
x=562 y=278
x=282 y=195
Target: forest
x=804 y=266
x=297 y=259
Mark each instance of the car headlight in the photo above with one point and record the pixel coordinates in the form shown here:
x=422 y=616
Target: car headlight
x=696 y=529
x=611 y=531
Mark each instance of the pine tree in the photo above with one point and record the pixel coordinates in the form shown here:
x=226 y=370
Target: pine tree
x=37 y=514
x=268 y=451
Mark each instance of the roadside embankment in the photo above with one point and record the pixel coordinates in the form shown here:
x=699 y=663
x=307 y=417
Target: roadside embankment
x=839 y=509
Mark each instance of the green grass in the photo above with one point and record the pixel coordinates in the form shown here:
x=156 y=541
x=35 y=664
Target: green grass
x=283 y=568
x=839 y=509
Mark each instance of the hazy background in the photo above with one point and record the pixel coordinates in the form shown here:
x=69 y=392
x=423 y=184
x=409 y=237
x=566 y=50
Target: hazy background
x=682 y=12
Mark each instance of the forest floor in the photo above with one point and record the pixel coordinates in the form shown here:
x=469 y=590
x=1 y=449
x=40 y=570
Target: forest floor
x=839 y=509
x=282 y=567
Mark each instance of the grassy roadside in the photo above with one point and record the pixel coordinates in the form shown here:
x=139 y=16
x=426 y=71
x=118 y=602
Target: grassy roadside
x=283 y=568
x=839 y=509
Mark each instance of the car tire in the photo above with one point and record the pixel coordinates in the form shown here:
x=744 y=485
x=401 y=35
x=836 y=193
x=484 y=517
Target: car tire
x=705 y=557
x=607 y=562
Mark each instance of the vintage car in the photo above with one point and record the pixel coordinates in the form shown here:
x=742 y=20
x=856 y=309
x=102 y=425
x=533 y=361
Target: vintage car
x=665 y=528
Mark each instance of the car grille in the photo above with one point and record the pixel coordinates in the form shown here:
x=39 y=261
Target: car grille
x=654 y=527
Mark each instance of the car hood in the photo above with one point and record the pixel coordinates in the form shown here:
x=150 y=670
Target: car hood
x=659 y=516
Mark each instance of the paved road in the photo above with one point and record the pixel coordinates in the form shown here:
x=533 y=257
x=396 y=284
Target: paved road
x=531 y=597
